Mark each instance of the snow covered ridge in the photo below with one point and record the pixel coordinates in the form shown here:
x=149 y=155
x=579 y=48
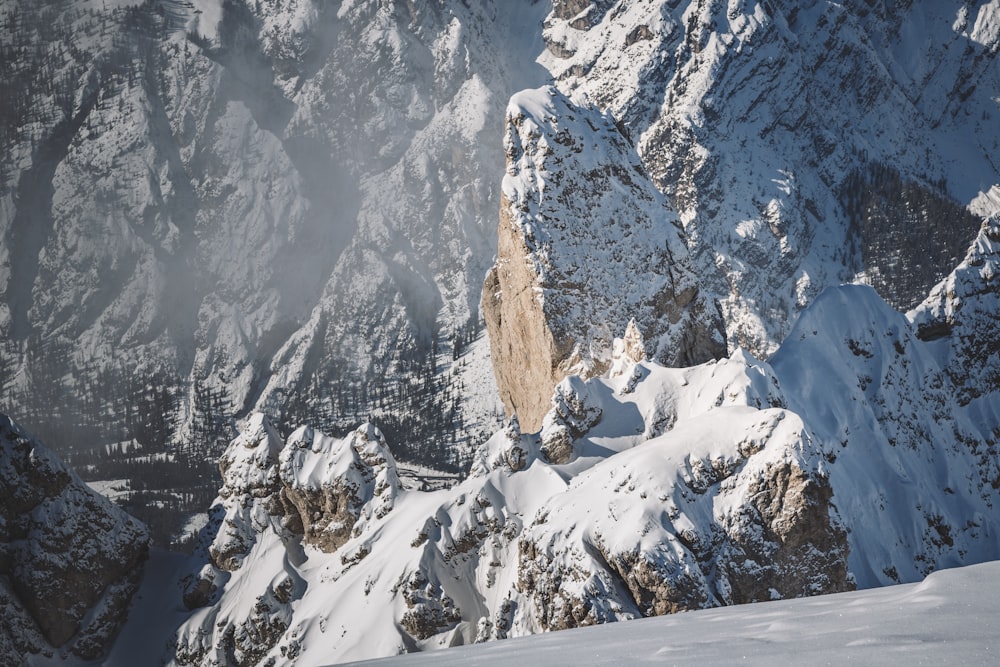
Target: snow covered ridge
x=69 y=559
x=844 y=463
x=962 y=313
x=586 y=243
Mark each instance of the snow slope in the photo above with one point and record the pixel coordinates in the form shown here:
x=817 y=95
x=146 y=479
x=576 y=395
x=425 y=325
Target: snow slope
x=949 y=618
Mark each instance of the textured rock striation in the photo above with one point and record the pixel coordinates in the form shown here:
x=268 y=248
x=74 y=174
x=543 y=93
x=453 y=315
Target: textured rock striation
x=586 y=245
x=70 y=561
x=802 y=144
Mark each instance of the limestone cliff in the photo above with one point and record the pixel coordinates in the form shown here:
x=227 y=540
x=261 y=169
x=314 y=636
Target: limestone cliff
x=586 y=244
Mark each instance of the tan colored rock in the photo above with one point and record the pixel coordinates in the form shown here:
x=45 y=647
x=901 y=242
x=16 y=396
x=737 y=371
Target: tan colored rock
x=329 y=485
x=586 y=246
x=528 y=359
x=785 y=542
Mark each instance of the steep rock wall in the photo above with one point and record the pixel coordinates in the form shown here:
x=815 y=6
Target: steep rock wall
x=586 y=245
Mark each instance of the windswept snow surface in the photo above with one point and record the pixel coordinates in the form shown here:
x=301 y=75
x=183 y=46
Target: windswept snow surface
x=949 y=618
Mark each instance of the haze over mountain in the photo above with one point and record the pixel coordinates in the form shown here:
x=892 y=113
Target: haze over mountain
x=354 y=238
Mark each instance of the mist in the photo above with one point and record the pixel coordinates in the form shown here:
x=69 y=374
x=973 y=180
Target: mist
x=215 y=210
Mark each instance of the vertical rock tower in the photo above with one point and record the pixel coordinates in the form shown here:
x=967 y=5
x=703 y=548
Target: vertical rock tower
x=586 y=244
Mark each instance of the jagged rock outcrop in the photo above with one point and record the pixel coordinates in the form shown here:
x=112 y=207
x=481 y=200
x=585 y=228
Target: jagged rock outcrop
x=311 y=490
x=963 y=314
x=329 y=485
x=70 y=561
x=767 y=123
x=586 y=244
x=249 y=469
x=744 y=516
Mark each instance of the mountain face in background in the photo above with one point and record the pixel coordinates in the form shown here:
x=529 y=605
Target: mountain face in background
x=70 y=560
x=866 y=452
x=802 y=144
x=214 y=207
x=282 y=212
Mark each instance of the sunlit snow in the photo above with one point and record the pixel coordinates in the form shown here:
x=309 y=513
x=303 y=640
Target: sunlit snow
x=949 y=618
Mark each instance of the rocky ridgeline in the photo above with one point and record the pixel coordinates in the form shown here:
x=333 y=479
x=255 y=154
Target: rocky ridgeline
x=846 y=462
x=69 y=559
x=586 y=243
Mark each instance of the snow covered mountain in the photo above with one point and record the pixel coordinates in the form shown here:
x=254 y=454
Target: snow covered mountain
x=289 y=205
x=280 y=213
x=586 y=246
x=845 y=462
x=802 y=144
x=70 y=561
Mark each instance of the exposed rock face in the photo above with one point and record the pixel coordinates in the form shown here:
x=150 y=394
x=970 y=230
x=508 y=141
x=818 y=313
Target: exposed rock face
x=69 y=560
x=574 y=411
x=586 y=244
x=963 y=312
x=249 y=468
x=428 y=610
x=276 y=497
x=328 y=485
x=785 y=540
